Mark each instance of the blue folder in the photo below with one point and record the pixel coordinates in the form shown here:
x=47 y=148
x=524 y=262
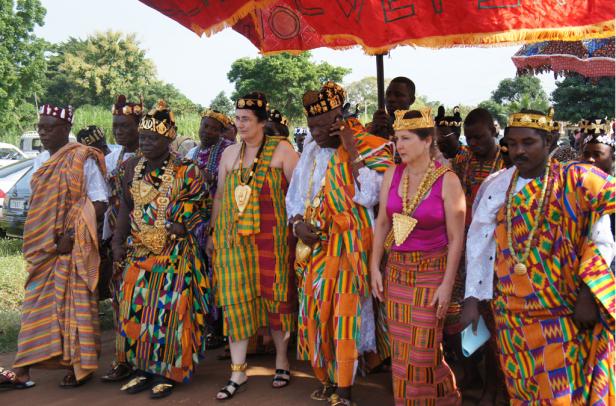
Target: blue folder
x=471 y=341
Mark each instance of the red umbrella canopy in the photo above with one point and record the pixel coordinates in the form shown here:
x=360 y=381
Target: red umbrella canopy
x=379 y=25
x=591 y=58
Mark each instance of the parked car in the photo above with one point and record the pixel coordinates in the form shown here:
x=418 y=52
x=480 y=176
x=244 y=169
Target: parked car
x=15 y=205
x=9 y=175
x=9 y=154
x=30 y=143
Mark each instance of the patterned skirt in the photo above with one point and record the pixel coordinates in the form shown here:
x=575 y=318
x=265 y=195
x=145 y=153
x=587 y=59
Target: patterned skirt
x=420 y=373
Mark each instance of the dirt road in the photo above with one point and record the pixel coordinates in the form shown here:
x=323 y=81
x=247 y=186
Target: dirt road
x=211 y=375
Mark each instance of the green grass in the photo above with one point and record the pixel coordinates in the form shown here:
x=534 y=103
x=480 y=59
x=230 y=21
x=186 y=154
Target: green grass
x=12 y=280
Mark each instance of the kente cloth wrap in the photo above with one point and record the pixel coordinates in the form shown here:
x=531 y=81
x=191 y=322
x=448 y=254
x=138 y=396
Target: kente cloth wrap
x=164 y=298
x=252 y=258
x=208 y=160
x=334 y=280
x=59 y=319
x=546 y=359
x=420 y=373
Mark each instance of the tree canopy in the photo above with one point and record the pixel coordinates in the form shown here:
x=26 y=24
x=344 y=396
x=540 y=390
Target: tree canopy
x=284 y=78
x=95 y=70
x=515 y=94
x=22 y=62
x=222 y=103
x=576 y=98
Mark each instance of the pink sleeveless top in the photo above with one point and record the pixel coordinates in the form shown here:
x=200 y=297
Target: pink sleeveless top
x=430 y=232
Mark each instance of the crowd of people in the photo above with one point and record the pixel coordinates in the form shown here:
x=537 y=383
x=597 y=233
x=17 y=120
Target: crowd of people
x=371 y=248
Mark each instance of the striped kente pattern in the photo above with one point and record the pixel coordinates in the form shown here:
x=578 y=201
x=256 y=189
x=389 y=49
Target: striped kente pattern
x=336 y=276
x=60 y=312
x=546 y=359
x=165 y=298
x=252 y=257
x=420 y=374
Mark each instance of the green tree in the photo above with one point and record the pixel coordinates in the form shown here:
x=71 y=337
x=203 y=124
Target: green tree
x=22 y=63
x=365 y=94
x=95 y=70
x=284 y=78
x=513 y=95
x=222 y=103
x=576 y=98
x=498 y=111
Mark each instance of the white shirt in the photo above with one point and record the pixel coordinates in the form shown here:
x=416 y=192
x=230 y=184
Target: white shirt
x=192 y=154
x=480 y=241
x=111 y=159
x=96 y=188
x=367 y=195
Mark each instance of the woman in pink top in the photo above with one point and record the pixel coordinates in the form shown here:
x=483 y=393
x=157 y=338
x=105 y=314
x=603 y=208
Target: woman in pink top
x=422 y=205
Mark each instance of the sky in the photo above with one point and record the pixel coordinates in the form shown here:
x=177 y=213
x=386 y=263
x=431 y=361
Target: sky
x=198 y=66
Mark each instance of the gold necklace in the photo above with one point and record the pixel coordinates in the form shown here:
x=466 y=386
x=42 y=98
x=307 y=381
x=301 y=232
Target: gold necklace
x=243 y=191
x=303 y=251
x=404 y=223
x=520 y=268
x=154 y=237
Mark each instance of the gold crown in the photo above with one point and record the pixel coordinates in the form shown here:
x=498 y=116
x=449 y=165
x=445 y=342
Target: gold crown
x=161 y=127
x=597 y=126
x=221 y=118
x=536 y=121
x=93 y=137
x=425 y=121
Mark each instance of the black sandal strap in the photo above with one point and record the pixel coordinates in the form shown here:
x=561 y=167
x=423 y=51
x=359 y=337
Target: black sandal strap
x=234 y=385
x=283 y=372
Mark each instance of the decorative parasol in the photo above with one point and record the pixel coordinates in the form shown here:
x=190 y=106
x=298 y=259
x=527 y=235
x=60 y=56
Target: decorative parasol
x=590 y=58
x=380 y=25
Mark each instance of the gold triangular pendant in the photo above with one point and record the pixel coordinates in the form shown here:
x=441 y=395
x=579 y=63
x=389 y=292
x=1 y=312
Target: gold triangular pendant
x=403 y=226
x=242 y=197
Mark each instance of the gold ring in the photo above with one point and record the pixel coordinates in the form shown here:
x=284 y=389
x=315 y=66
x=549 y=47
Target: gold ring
x=173 y=236
x=341 y=127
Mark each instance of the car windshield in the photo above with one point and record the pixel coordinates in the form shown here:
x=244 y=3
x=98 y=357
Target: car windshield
x=36 y=145
x=8 y=153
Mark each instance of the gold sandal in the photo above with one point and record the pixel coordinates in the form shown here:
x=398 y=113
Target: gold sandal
x=324 y=393
x=336 y=400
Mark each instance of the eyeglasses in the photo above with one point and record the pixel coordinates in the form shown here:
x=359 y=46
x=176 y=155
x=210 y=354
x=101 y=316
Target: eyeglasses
x=448 y=135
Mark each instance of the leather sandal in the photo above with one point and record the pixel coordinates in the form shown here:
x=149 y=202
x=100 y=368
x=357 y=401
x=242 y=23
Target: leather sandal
x=70 y=381
x=281 y=375
x=324 y=393
x=232 y=388
x=118 y=372
x=11 y=382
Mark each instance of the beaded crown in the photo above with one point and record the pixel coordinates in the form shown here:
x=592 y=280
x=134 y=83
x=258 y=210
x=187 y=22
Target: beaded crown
x=160 y=120
x=536 y=121
x=63 y=113
x=444 y=121
x=425 y=121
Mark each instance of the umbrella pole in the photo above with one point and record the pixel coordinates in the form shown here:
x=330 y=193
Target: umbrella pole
x=380 y=81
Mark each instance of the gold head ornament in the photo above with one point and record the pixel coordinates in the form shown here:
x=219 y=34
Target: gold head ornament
x=165 y=127
x=425 y=121
x=536 y=121
x=220 y=117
